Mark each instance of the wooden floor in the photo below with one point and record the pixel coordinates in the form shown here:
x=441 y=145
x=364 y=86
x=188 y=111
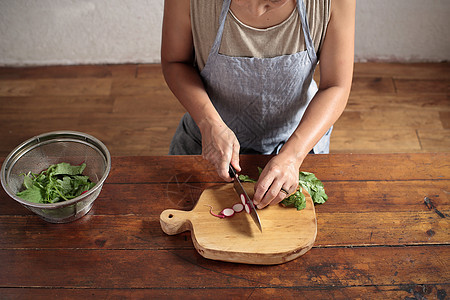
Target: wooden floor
x=392 y=107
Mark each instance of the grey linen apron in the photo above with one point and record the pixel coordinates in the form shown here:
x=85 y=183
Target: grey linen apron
x=262 y=100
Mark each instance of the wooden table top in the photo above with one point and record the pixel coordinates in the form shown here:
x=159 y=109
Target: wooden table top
x=377 y=238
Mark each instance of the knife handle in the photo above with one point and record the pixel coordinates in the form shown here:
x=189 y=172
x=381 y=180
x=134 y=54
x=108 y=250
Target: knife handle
x=232 y=172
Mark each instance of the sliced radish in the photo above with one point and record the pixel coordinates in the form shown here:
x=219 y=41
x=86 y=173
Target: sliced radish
x=238 y=207
x=247 y=208
x=227 y=212
x=243 y=199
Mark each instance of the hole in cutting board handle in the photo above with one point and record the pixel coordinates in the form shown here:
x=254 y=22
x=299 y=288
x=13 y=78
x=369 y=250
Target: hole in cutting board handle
x=170 y=216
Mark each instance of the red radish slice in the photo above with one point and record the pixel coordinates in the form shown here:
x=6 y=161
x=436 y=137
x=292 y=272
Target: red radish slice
x=227 y=212
x=238 y=207
x=247 y=208
x=243 y=199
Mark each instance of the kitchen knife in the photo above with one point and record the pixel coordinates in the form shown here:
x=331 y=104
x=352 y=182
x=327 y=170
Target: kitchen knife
x=246 y=201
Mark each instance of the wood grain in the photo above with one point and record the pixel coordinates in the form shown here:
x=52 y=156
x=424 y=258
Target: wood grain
x=375 y=140
x=339 y=167
x=24 y=108
x=237 y=238
x=144 y=232
x=376 y=237
x=74 y=71
x=411 y=86
x=184 y=268
x=362 y=187
x=376 y=196
x=434 y=139
x=373 y=86
x=391 y=291
x=389 y=104
x=56 y=87
x=424 y=71
x=406 y=102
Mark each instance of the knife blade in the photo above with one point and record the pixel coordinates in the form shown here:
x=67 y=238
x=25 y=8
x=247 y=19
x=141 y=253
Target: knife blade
x=248 y=204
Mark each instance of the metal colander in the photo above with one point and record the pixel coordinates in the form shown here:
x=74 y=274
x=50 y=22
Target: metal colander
x=39 y=152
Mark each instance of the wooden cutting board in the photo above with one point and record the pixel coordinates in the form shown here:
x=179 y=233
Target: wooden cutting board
x=286 y=232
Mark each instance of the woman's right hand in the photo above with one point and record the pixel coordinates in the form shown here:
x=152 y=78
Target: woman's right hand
x=219 y=144
x=220 y=147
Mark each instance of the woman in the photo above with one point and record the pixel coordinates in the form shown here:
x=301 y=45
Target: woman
x=243 y=70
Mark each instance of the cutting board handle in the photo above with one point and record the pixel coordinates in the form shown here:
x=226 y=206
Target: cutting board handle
x=175 y=221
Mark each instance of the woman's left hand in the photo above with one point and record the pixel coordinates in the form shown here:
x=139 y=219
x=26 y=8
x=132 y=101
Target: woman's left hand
x=278 y=180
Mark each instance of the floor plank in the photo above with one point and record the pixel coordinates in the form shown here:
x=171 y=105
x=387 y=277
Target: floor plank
x=392 y=107
x=26 y=107
x=373 y=85
x=404 y=71
x=374 y=141
x=412 y=86
x=385 y=119
x=75 y=71
x=445 y=119
x=397 y=102
x=434 y=140
x=55 y=87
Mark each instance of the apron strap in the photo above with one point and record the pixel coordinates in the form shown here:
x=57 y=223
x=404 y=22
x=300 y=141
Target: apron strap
x=306 y=33
x=223 y=14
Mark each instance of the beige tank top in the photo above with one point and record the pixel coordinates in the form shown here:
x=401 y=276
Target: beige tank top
x=241 y=40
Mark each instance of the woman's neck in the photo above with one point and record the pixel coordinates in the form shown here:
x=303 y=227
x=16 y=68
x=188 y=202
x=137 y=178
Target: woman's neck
x=262 y=13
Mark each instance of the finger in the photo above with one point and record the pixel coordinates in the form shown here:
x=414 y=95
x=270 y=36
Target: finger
x=261 y=187
x=280 y=197
x=264 y=183
x=285 y=191
x=273 y=194
x=289 y=191
x=235 y=157
x=223 y=165
x=293 y=188
x=223 y=173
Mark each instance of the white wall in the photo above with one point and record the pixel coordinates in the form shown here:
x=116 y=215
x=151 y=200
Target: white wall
x=35 y=32
x=402 y=30
x=49 y=32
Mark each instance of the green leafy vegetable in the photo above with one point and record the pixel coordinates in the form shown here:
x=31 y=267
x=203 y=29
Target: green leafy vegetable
x=297 y=200
x=60 y=182
x=307 y=181
x=246 y=178
x=313 y=186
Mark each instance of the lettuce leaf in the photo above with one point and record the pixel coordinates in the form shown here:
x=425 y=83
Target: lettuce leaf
x=60 y=182
x=307 y=181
